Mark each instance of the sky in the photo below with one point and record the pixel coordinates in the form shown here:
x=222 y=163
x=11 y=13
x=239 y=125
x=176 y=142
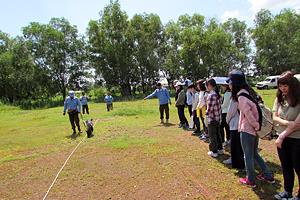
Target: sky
x=15 y=14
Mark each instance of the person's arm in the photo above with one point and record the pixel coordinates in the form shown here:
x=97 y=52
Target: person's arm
x=154 y=94
x=292 y=126
x=65 y=106
x=168 y=96
x=78 y=105
x=112 y=99
x=232 y=110
x=245 y=108
x=276 y=117
x=209 y=104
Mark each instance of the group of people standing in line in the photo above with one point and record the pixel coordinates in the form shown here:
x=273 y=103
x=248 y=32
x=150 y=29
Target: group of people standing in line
x=233 y=119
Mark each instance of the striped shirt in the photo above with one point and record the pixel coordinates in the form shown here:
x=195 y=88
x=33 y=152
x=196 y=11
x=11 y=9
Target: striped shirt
x=213 y=110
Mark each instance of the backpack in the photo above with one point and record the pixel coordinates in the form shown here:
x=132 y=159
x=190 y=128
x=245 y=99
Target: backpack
x=266 y=126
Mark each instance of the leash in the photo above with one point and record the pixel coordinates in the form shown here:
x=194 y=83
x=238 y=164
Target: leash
x=65 y=163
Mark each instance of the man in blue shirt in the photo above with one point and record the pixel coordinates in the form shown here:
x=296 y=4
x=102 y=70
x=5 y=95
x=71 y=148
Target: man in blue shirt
x=72 y=105
x=109 y=101
x=164 y=99
x=84 y=103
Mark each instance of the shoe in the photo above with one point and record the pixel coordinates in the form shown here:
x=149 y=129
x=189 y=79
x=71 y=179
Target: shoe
x=221 y=152
x=228 y=161
x=196 y=133
x=284 y=195
x=167 y=121
x=203 y=137
x=262 y=177
x=161 y=121
x=246 y=182
x=212 y=154
x=180 y=126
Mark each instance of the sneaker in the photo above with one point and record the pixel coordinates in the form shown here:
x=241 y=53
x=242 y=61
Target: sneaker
x=228 y=161
x=161 y=121
x=262 y=177
x=246 y=182
x=167 y=121
x=203 y=137
x=284 y=195
x=196 y=133
x=180 y=126
x=212 y=154
x=221 y=152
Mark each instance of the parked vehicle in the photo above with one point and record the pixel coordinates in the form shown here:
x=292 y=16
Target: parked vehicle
x=270 y=82
x=297 y=76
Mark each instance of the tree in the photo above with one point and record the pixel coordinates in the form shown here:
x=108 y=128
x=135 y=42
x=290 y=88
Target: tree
x=146 y=34
x=59 y=52
x=110 y=49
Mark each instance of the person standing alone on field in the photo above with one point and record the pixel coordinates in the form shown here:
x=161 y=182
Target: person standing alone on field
x=72 y=105
x=109 y=102
x=164 y=99
x=84 y=103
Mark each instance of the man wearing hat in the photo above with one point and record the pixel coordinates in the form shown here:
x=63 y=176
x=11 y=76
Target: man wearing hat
x=72 y=105
x=164 y=99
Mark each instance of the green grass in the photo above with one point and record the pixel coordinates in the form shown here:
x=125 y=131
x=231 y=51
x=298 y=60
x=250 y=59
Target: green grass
x=130 y=137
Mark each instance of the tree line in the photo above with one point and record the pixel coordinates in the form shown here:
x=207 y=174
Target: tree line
x=128 y=53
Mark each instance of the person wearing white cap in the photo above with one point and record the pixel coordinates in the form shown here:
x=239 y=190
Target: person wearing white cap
x=180 y=104
x=73 y=106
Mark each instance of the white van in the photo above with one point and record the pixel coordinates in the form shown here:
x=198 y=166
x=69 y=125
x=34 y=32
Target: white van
x=270 y=82
x=297 y=76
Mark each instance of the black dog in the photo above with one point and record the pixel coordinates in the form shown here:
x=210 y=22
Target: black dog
x=89 y=128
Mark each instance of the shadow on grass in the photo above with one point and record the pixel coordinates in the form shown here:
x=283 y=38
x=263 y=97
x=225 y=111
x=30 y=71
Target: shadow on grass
x=263 y=190
x=73 y=136
x=165 y=125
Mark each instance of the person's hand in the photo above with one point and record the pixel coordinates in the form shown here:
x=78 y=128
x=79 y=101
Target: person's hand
x=278 y=142
x=64 y=113
x=145 y=98
x=256 y=128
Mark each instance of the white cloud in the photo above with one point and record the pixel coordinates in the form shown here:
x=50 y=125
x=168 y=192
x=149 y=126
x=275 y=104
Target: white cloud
x=233 y=14
x=256 y=5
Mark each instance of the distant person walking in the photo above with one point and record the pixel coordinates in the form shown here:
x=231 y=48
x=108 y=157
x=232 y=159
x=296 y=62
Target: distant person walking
x=109 y=102
x=164 y=100
x=84 y=103
x=72 y=105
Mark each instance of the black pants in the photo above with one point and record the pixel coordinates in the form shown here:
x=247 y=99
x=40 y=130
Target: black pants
x=215 y=143
x=109 y=107
x=196 y=120
x=289 y=156
x=164 y=108
x=190 y=107
x=237 y=154
x=74 y=120
x=226 y=126
x=85 y=108
x=181 y=115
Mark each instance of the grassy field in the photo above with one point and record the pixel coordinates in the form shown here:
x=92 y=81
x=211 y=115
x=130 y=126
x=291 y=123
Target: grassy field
x=132 y=156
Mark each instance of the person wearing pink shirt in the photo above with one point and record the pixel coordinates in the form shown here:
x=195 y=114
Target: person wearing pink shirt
x=286 y=116
x=248 y=127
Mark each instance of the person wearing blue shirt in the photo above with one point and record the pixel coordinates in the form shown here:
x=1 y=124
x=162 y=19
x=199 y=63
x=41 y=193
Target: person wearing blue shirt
x=72 y=105
x=164 y=99
x=109 y=101
x=84 y=103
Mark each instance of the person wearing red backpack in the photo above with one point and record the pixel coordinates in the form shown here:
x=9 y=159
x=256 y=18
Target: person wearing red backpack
x=248 y=127
x=286 y=116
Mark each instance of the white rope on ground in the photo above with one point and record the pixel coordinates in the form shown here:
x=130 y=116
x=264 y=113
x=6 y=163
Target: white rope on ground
x=64 y=165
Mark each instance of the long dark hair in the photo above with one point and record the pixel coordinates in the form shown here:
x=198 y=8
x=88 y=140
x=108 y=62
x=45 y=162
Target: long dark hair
x=201 y=84
x=236 y=88
x=213 y=83
x=287 y=78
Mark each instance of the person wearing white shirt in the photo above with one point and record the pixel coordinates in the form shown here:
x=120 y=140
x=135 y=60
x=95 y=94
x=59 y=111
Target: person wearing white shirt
x=225 y=106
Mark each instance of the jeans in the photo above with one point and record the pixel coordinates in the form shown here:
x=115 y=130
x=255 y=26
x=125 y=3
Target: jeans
x=85 y=108
x=196 y=120
x=181 y=115
x=215 y=143
x=226 y=126
x=250 y=147
x=289 y=158
x=190 y=108
x=164 y=108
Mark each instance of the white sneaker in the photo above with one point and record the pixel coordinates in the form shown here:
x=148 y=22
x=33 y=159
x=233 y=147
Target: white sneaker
x=212 y=154
x=228 y=161
x=221 y=152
